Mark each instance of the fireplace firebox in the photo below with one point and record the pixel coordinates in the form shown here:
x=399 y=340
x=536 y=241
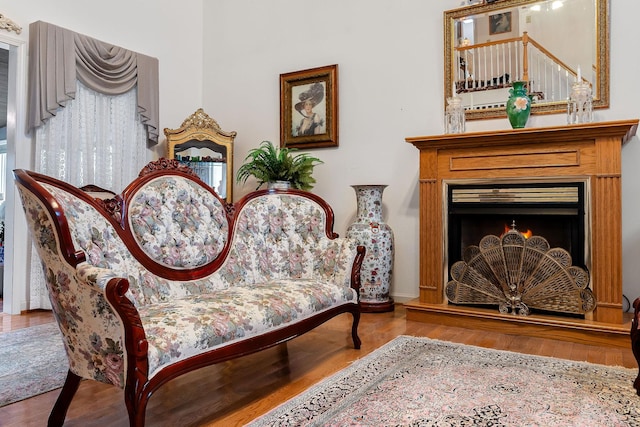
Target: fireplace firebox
x=555 y=211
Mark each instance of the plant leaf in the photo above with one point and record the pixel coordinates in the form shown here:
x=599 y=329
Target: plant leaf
x=268 y=163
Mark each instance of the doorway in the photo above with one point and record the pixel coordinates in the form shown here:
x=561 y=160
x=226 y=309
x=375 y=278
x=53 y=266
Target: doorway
x=17 y=153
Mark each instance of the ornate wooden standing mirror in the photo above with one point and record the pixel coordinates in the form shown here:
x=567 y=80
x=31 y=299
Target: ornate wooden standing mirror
x=200 y=144
x=550 y=44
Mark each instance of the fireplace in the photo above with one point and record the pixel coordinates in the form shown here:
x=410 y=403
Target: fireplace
x=498 y=169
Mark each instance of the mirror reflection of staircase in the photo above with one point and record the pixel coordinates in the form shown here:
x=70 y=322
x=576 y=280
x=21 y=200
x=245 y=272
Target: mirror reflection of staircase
x=486 y=71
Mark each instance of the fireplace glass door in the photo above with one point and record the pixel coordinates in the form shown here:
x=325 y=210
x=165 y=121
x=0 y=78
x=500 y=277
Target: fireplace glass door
x=553 y=211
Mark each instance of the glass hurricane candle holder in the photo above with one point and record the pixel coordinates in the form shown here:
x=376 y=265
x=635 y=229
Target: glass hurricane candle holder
x=580 y=104
x=454 y=121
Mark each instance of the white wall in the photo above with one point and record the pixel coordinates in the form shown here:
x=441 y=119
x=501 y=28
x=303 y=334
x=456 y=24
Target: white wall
x=157 y=28
x=390 y=57
x=390 y=61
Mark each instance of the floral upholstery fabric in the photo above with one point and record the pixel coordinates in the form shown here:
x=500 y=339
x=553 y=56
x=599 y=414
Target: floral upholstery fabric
x=281 y=268
x=93 y=335
x=178 y=223
x=280 y=236
x=94 y=235
x=189 y=326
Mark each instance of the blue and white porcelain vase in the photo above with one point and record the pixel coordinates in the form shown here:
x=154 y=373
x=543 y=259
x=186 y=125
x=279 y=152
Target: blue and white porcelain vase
x=370 y=231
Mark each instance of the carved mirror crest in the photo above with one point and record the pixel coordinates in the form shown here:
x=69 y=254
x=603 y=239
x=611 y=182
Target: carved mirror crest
x=203 y=146
x=9 y=25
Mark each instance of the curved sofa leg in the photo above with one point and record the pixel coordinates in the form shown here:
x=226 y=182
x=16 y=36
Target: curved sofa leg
x=354 y=329
x=136 y=408
x=635 y=340
x=59 y=411
x=137 y=420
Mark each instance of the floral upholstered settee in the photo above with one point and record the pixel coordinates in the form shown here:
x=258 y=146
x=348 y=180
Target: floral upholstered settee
x=166 y=278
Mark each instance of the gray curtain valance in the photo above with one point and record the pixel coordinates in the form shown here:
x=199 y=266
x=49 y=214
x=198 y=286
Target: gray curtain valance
x=57 y=57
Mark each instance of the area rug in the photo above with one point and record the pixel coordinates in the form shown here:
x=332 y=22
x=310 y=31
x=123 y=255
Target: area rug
x=32 y=361
x=423 y=382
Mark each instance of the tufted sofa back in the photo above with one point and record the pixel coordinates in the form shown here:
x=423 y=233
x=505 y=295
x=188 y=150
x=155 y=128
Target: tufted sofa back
x=172 y=226
x=172 y=237
x=283 y=235
x=177 y=222
x=103 y=245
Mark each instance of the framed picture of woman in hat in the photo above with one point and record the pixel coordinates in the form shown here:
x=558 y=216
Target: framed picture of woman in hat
x=309 y=108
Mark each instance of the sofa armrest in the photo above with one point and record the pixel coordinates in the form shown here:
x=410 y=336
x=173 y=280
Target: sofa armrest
x=92 y=330
x=128 y=330
x=95 y=277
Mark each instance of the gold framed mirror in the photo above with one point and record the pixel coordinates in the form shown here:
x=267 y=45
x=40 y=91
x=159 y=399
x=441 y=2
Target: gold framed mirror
x=208 y=150
x=550 y=44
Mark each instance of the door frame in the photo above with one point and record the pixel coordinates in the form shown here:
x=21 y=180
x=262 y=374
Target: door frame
x=19 y=155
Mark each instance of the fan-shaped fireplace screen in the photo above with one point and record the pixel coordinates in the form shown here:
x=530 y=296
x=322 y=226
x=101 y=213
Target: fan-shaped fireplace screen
x=519 y=247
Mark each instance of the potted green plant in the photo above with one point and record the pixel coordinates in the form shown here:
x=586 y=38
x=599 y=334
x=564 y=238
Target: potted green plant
x=269 y=164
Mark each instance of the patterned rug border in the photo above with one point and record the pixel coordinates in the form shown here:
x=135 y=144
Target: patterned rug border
x=271 y=418
x=32 y=362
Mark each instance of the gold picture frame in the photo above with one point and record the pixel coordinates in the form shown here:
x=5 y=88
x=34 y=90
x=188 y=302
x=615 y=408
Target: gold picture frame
x=309 y=108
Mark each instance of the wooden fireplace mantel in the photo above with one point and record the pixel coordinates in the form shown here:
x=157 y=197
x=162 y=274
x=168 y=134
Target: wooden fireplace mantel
x=590 y=152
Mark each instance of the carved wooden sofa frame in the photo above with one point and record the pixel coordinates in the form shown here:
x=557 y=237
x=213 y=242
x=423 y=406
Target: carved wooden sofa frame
x=118 y=271
x=635 y=340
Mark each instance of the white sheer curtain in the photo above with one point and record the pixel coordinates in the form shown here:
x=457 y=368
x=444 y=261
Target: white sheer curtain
x=96 y=139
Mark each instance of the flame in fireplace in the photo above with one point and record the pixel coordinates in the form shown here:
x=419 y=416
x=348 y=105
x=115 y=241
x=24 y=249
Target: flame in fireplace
x=527 y=234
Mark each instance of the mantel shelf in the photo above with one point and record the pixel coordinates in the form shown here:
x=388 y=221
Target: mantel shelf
x=623 y=129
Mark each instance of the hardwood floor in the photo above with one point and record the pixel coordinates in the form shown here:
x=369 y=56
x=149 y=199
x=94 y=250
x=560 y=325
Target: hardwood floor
x=35 y=318
x=235 y=392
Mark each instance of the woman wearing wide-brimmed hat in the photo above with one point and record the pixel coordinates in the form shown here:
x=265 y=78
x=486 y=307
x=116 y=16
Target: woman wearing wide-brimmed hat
x=312 y=123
